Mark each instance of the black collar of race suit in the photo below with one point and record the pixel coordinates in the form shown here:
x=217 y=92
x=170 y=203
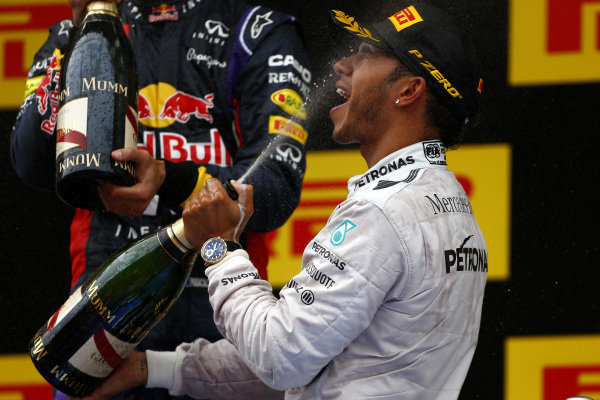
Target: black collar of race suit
x=141 y=3
x=148 y=6
x=159 y=10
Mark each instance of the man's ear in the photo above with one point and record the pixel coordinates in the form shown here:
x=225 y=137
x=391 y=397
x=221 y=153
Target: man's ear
x=409 y=90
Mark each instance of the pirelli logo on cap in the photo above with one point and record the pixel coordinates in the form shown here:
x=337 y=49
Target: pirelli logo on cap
x=405 y=18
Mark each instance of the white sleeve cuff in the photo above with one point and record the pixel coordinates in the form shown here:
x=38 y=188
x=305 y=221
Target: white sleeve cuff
x=161 y=369
x=233 y=256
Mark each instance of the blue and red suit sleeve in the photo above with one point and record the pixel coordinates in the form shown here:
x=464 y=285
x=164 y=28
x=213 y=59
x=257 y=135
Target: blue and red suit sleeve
x=269 y=80
x=32 y=144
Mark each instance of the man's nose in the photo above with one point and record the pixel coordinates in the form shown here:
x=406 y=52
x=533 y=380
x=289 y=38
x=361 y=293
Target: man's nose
x=343 y=66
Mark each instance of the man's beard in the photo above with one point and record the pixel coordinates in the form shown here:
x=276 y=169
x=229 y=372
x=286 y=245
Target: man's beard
x=362 y=117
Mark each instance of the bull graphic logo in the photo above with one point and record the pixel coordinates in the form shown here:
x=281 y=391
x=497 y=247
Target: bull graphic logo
x=43 y=91
x=164 y=12
x=161 y=105
x=181 y=106
x=144 y=108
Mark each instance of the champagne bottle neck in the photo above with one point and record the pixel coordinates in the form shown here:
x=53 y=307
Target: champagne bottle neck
x=173 y=241
x=178 y=234
x=102 y=7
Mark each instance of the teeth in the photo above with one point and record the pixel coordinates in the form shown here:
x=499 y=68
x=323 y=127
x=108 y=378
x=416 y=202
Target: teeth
x=343 y=93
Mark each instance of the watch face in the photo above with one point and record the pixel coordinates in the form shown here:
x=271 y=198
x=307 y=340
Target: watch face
x=213 y=249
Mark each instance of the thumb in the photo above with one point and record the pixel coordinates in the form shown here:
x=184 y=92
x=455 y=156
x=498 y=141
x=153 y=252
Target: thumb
x=119 y=155
x=244 y=192
x=129 y=154
x=244 y=202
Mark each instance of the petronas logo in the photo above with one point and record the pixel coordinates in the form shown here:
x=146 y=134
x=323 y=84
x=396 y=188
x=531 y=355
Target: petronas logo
x=338 y=236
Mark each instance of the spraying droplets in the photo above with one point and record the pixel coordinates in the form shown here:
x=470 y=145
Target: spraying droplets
x=320 y=100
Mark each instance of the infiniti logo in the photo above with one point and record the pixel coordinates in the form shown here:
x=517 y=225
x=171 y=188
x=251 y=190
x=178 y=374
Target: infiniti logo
x=289 y=152
x=217 y=27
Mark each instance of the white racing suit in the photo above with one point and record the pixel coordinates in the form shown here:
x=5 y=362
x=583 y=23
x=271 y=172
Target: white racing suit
x=387 y=304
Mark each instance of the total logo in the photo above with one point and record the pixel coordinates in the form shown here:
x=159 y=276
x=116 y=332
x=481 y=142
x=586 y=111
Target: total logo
x=161 y=105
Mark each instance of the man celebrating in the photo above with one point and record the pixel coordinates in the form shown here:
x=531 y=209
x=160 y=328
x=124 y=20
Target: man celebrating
x=220 y=83
x=387 y=303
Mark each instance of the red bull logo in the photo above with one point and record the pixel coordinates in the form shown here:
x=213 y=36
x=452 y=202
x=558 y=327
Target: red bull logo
x=47 y=98
x=144 y=108
x=182 y=106
x=175 y=147
x=163 y=12
x=43 y=91
x=161 y=105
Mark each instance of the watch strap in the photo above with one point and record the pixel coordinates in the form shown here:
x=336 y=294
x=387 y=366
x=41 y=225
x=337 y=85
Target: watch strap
x=232 y=246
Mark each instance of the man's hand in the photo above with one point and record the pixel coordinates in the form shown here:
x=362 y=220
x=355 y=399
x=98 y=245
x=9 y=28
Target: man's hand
x=132 y=372
x=78 y=7
x=211 y=212
x=133 y=200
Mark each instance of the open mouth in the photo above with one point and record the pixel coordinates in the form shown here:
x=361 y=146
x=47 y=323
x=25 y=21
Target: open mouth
x=343 y=93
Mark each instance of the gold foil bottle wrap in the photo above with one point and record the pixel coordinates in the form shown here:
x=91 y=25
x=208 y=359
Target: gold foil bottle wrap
x=102 y=7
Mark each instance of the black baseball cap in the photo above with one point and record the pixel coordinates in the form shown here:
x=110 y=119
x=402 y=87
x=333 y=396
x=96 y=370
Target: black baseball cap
x=432 y=44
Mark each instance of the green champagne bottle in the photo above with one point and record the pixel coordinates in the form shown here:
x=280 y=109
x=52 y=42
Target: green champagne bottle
x=112 y=311
x=97 y=112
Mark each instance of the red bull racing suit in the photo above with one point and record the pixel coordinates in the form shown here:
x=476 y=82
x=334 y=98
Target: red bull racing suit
x=218 y=80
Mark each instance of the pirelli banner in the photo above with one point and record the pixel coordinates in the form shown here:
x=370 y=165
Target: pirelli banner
x=536 y=368
x=554 y=41
x=19 y=380
x=483 y=170
x=23 y=29
x=552 y=367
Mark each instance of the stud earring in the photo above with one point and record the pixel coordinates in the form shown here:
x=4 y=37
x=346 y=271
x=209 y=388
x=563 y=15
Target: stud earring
x=397 y=101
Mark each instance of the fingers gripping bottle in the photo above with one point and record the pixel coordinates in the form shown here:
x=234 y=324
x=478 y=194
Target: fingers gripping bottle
x=112 y=311
x=97 y=107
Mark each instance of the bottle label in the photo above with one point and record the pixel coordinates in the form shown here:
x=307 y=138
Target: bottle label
x=64 y=309
x=131 y=127
x=93 y=84
x=101 y=354
x=71 y=126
